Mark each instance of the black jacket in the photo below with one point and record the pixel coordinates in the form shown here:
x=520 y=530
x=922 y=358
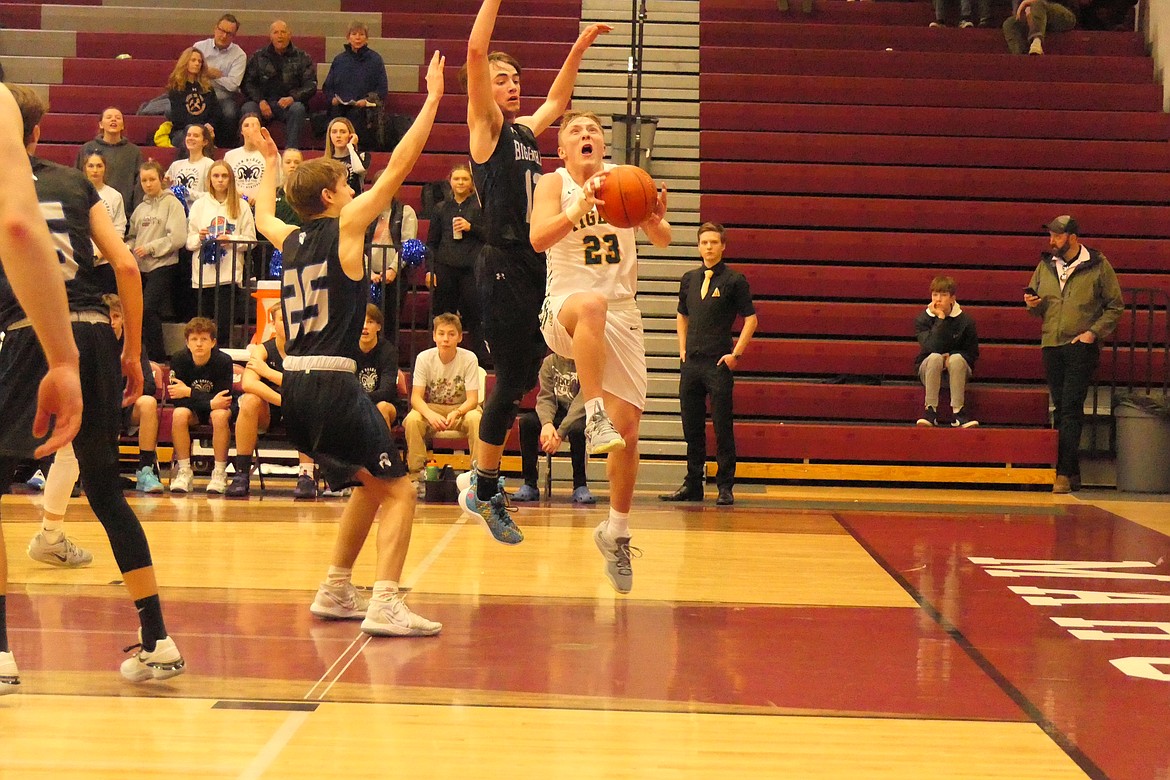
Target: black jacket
x=271 y=75
x=954 y=334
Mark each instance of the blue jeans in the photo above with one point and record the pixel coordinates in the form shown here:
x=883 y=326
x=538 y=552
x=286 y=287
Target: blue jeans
x=293 y=117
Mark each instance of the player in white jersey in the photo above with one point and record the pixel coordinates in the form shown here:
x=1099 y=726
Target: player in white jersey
x=591 y=316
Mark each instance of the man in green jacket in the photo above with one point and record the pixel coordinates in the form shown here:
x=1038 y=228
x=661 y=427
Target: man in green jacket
x=1075 y=292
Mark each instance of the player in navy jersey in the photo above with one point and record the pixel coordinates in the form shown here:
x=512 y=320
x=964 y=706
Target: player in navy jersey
x=30 y=275
x=510 y=273
x=328 y=415
x=75 y=215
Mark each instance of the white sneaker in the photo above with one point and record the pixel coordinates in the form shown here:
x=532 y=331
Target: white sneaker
x=62 y=553
x=161 y=663
x=339 y=602
x=9 y=675
x=181 y=481
x=218 y=482
x=617 y=554
x=394 y=618
x=600 y=435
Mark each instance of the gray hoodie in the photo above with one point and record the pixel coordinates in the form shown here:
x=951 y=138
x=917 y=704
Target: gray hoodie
x=160 y=225
x=122 y=162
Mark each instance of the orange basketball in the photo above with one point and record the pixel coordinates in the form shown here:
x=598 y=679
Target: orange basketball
x=629 y=194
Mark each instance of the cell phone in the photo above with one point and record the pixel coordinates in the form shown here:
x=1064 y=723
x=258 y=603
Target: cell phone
x=1030 y=291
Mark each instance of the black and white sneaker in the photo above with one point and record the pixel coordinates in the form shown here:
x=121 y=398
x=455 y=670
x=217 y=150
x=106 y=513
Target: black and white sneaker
x=963 y=420
x=929 y=418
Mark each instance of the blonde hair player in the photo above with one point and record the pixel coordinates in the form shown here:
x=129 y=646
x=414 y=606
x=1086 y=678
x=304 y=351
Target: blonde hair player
x=591 y=316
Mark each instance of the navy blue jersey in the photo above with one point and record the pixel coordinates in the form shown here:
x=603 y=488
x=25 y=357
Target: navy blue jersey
x=66 y=197
x=505 y=184
x=324 y=310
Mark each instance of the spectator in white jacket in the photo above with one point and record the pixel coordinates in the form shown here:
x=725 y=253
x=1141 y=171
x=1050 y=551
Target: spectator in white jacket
x=221 y=234
x=157 y=229
x=95 y=171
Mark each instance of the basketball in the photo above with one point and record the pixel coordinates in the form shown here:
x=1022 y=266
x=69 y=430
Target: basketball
x=629 y=194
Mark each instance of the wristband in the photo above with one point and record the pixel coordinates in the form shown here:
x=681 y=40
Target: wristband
x=575 y=212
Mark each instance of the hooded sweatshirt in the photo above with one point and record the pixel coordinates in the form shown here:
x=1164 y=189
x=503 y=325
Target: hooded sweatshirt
x=122 y=161
x=208 y=213
x=160 y=225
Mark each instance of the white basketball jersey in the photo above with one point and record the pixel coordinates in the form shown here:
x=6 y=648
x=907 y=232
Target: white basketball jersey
x=594 y=256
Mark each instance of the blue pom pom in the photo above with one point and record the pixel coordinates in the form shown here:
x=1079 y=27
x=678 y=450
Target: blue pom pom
x=376 y=294
x=183 y=194
x=276 y=264
x=413 y=253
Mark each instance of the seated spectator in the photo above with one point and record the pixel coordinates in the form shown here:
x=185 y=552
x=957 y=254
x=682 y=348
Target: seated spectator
x=222 y=233
x=356 y=86
x=225 y=64
x=943 y=8
x=142 y=415
x=123 y=159
x=158 y=229
x=95 y=171
x=559 y=415
x=341 y=145
x=191 y=171
x=1031 y=20
x=193 y=100
x=201 y=391
x=279 y=82
x=260 y=410
x=377 y=366
x=455 y=236
x=246 y=161
x=290 y=161
x=948 y=342
x=445 y=394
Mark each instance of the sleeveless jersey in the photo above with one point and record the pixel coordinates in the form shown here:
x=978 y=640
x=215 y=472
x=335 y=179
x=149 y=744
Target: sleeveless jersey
x=324 y=309
x=505 y=184
x=594 y=256
x=273 y=360
x=66 y=197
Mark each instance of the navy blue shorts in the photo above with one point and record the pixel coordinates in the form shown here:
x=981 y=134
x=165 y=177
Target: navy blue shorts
x=329 y=417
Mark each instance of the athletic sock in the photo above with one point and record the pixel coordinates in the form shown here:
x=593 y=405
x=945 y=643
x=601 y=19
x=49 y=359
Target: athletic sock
x=221 y=466
x=52 y=530
x=619 y=524
x=145 y=458
x=384 y=590
x=486 y=483
x=337 y=576
x=151 y=619
x=243 y=464
x=184 y=463
x=593 y=406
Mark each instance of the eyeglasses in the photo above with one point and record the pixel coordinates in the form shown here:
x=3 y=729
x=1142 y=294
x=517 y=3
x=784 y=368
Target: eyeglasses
x=230 y=33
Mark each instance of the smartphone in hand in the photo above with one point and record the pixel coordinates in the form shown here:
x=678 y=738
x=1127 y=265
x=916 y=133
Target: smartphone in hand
x=1030 y=291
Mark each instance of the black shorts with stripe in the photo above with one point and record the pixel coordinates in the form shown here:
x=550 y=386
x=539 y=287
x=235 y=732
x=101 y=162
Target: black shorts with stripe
x=329 y=417
x=23 y=366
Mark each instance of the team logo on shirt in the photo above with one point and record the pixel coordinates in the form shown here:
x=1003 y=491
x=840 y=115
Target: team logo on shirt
x=249 y=172
x=187 y=179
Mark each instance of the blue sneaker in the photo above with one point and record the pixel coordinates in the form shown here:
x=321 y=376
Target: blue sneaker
x=526 y=493
x=37 y=481
x=582 y=496
x=494 y=514
x=146 y=481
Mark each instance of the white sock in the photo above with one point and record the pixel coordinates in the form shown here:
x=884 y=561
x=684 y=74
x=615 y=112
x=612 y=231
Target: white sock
x=52 y=530
x=338 y=576
x=593 y=406
x=619 y=524
x=184 y=463
x=221 y=466
x=385 y=590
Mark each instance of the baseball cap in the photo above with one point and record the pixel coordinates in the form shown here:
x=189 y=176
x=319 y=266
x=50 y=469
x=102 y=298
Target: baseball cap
x=1063 y=224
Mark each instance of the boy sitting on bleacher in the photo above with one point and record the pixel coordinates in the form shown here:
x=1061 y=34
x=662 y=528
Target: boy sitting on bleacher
x=948 y=342
x=445 y=392
x=201 y=391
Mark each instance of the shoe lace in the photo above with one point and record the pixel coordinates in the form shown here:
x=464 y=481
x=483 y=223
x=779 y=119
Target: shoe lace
x=624 y=552
x=132 y=648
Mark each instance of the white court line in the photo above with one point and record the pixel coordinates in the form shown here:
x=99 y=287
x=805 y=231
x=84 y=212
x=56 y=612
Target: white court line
x=333 y=666
x=275 y=745
x=350 y=663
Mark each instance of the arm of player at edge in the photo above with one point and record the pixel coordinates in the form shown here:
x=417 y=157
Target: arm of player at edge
x=33 y=271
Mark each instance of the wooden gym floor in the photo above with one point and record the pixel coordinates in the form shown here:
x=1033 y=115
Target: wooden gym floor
x=805 y=633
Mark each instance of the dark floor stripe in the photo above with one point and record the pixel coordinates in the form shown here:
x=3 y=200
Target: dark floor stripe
x=270 y=706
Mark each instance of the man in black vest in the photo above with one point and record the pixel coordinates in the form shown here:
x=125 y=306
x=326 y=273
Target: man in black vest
x=709 y=300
